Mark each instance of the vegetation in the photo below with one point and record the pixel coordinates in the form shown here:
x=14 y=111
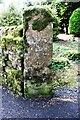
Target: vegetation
x=73 y=55
x=64 y=11
x=12 y=51
x=59 y=63
x=10 y=17
x=65 y=74
x=42 y=22
x=74 y=22
x=41 y=89
x=39 y=23
x=18 y=31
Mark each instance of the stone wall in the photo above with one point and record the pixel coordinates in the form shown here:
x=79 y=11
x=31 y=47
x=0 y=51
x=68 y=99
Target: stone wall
x=27 y=53
x=11 y=58
x=38 y=34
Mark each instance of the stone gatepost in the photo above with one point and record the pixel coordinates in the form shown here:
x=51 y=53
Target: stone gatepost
x=38 y=35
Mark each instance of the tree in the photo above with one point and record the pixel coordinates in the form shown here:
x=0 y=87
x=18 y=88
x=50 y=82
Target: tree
x=64 y=10
x=74 y=22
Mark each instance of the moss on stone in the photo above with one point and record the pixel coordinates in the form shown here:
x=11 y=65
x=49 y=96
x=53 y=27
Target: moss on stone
x=12 y=75
x=18 y=40
x=18 y=31
x=33 y=89
x=39 y=23
x=13 y=80
x=9 y=40
x=6 y=30
x=6 y=40
x=16 y=44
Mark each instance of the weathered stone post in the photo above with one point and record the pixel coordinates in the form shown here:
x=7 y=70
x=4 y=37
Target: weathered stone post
x=38 y=34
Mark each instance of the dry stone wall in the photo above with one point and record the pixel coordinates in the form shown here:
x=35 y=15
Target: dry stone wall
x=27 y=53
x=11 y=59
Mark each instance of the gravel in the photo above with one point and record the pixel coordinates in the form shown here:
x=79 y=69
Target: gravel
x=50 y=107
x=67 y=93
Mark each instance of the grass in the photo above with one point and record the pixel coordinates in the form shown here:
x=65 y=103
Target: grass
x=69 y=76
x=60 y=48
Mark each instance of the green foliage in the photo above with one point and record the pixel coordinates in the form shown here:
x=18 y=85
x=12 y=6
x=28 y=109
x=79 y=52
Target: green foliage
x=13 y=38
x=13 y=80
x=6 y=40
x=12 y=76
x=61 y=9
x=73 y=55
x=9 y=41
x=60 y=50
x=39 y=23
x=18 y=31
x=56 y=22
x=6 y=31
x=59 y=63
x=11 y=17
x=56 y=28
x=64 y=11
x=18 y=43
x=74 y=22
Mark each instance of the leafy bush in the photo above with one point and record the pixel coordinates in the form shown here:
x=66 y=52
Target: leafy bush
x=56 y=23
x=74 y=22
x=59 y=63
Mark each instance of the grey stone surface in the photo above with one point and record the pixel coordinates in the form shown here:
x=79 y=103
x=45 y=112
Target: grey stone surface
x=39 y=54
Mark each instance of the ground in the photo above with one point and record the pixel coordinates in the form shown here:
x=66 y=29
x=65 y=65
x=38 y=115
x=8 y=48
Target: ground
x=51 y=107
x=60 y=47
